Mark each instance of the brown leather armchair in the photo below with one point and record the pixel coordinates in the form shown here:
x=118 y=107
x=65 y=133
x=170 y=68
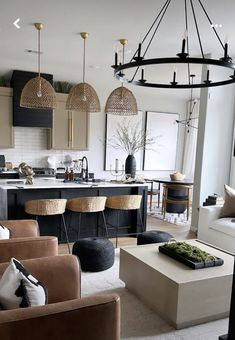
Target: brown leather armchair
x=67 y=316
x=25 y=241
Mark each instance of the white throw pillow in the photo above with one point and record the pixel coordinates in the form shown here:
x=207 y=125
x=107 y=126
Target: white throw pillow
x=18 y=288
x=4 y=232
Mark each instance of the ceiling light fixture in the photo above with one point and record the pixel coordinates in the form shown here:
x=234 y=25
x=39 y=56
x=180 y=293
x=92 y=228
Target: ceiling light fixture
x=190 y=120
x=38 y=93
x=82 y=97
x=121 y=101
x=140 y=60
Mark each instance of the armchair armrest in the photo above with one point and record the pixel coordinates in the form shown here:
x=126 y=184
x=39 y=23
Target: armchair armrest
x=206 y=216
x=22 y=228
x=60 y=274
x=90 y=318
x=28 y=247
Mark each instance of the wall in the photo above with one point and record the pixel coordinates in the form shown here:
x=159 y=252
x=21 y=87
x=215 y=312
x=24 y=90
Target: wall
x=31 y=143
x=214 y=145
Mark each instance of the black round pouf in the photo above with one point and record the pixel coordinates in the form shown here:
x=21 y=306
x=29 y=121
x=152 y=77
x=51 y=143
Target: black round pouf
x=95 y=254
x=153 y=236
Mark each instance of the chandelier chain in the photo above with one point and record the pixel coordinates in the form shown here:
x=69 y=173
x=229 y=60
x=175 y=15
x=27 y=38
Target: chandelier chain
x=164 y=8
x=197 y=29
x=217 y=35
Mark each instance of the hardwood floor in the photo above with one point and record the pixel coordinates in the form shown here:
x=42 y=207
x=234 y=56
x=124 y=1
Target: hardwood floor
x=179 y=232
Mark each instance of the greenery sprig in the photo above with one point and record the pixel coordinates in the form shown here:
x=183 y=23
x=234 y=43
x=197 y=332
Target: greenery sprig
x=130 y=138
x=190 y=252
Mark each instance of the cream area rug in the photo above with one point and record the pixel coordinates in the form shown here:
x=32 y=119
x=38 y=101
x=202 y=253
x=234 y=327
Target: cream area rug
x=137 y=320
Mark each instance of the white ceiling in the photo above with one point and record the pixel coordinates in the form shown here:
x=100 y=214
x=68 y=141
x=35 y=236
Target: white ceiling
x=107 y=21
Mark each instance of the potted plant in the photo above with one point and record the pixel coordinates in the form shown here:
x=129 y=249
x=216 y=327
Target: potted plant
x=131 y=138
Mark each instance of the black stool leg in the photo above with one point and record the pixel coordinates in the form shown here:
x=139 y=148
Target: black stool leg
x=117 y=228
x=141 y=222
x=79 y=224
x=66 y=233
x=104 y=221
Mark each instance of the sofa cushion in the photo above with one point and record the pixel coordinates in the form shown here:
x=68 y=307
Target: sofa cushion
x=18 y=288
x=228 y=209
x=4 y=232
x=224 y=225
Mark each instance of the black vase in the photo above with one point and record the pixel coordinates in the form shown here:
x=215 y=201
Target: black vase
x=130 y=165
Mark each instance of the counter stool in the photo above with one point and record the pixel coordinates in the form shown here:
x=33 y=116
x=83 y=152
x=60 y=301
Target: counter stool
x=124 y=202
x=93 y=204
x=46 y=207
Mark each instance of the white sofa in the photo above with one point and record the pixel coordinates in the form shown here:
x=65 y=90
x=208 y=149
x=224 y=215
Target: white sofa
x=215 y=230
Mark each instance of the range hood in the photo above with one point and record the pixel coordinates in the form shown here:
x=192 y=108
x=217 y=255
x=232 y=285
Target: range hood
x=21 y=115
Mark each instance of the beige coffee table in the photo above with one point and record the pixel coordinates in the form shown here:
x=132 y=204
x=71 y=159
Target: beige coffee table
x=180 y=295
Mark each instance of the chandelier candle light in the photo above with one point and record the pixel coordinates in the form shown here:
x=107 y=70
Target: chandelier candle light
x=139 y=60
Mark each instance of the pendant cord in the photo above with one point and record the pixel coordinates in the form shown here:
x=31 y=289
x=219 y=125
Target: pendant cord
x=39 y=54
x=84 y=57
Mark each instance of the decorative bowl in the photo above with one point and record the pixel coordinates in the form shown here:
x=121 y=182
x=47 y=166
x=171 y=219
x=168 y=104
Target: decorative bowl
x=177 y=176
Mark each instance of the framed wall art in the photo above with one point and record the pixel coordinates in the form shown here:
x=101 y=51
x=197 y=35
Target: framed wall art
x=162 y=154
x=114 y=156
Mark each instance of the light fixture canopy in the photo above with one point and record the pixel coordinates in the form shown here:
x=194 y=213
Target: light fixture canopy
x=121 y=101
x=139 y=59
x=83 y=97
x=38 y=93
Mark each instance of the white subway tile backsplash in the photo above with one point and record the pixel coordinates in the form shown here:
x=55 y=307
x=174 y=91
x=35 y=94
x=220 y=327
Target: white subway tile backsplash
x=31 y=147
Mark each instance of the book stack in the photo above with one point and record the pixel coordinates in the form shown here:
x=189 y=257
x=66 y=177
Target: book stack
x=213 y=200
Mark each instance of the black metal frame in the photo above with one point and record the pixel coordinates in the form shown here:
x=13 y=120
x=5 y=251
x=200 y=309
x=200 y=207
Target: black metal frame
x=138 y=61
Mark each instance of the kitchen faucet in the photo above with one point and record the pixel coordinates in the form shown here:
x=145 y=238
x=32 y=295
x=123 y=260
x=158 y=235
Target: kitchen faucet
x=85 y=174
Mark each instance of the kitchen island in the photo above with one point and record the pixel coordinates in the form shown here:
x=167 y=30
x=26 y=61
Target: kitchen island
x=14 y=194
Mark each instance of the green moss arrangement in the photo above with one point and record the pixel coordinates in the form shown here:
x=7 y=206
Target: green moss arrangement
x=190 y=252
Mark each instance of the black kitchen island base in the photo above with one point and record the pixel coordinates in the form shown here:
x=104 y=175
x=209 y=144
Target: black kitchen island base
x=15 y=199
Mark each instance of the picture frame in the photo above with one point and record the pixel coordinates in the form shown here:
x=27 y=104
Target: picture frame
x=116 y=157
x=164 y=128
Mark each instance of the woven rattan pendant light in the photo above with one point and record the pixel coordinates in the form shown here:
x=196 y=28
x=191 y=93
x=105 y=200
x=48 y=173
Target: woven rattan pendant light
x=38 y=93
x=82 y=97
x=121 y=101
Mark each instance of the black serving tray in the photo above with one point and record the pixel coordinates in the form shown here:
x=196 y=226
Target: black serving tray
x=194 y=265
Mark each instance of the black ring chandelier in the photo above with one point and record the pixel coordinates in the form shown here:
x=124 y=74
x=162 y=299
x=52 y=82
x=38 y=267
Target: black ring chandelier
x=138 y=61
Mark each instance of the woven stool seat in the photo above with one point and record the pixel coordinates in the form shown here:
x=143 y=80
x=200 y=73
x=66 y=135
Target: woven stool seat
x=91 y=204
x=153 y=236
x=95 y=254
x=124 y=202
x=46 y=206
x=86 y=204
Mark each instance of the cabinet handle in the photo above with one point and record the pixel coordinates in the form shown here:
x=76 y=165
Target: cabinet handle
x=70 y=130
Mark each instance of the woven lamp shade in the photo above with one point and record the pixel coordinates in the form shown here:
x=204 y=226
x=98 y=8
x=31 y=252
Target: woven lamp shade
x=29 y=96
x=83 y=98
x=121 y=102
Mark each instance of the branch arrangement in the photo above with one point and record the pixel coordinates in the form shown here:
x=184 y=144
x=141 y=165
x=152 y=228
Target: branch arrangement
x=130 y=138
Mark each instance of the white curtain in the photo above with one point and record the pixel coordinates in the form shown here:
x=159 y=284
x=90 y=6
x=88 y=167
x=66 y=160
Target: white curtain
x=190 y=143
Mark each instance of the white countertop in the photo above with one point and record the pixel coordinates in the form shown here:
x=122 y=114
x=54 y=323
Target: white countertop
x=47 y=183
